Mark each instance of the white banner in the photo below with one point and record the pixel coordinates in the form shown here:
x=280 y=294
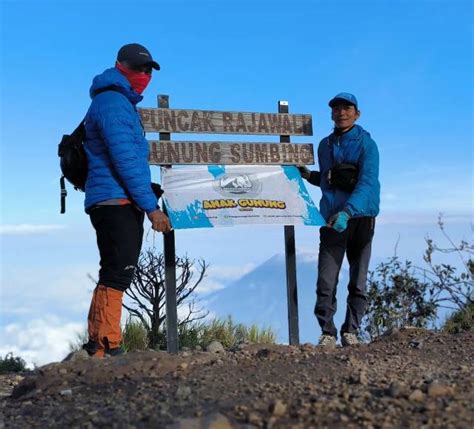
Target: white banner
x=218 y=195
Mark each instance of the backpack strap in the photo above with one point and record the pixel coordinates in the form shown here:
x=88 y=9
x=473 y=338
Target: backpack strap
x=63 y=195
x=77 y=130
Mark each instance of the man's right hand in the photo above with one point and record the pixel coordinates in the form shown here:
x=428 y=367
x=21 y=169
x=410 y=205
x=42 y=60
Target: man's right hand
x=159 y=221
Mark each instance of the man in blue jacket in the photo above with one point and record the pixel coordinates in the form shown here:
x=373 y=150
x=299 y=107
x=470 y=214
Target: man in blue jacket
x=348 y=177
x=118 y=188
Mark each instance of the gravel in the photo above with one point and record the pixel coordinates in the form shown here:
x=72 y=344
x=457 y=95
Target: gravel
x=409 y=378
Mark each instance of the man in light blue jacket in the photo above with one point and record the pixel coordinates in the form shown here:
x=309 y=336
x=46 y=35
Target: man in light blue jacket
x=348 y=177
x=118 y=189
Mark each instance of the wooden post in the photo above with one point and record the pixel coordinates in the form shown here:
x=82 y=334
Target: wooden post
x=290 y=258
x=170 y=267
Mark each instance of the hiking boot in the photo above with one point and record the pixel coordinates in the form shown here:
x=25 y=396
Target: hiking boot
x=327 y=341
x=115 y=352
x=91 y=347
x=348 y=339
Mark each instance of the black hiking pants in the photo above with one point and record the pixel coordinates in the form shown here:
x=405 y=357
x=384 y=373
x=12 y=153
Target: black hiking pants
x=119 y=230
x=356 y=242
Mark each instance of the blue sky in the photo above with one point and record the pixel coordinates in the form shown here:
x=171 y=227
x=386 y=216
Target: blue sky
x=410 y=64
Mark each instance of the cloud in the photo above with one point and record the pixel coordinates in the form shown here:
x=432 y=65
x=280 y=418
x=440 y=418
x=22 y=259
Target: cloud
x=40 y=340
x=418 y=219
x=219 y=276
x=28 y=229
x=33 y=291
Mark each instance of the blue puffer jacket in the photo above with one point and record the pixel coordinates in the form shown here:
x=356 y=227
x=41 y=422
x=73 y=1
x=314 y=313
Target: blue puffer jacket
x=117 y=151
x=354 y=147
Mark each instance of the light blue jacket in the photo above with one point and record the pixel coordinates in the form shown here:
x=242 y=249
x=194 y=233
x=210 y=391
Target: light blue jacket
x=354 y=147
x=115 y=144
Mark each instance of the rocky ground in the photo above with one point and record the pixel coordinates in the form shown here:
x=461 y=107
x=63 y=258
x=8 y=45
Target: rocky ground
x=408 y=379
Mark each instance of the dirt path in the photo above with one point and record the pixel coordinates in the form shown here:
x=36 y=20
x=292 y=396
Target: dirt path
x=410 y=379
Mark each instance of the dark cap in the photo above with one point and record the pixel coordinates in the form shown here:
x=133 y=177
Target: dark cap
x=136 y=55
x=345 y=97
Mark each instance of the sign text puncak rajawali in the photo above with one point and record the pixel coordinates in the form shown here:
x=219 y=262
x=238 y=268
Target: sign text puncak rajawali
x=192 y=152
x=220 y=122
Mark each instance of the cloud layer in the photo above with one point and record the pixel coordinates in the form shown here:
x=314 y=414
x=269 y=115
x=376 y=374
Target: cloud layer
x=28 y=229
x=40 y=340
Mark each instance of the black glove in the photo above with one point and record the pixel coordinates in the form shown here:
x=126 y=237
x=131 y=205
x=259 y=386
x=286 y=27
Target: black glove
x=156 y=188
x=304 y=171
x=313 y=177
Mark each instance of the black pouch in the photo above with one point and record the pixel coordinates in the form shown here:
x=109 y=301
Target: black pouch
x=343 y=176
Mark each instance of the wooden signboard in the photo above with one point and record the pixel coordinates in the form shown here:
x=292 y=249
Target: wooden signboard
x=166 y=152
x=194 y=152
x=219 y=122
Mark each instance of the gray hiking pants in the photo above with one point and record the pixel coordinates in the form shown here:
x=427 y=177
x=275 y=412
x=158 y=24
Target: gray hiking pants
x=356 y=242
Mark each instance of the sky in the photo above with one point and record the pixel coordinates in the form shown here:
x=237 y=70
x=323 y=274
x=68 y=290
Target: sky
x=410 y=63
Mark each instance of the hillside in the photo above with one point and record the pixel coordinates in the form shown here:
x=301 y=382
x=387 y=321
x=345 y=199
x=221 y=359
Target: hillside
x=411 y=378
x=259 y=297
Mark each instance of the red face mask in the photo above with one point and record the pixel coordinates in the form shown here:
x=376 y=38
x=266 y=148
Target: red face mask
x=138 y=80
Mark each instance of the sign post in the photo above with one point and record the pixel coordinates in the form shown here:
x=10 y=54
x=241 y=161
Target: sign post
x=290 y=259
x=170 y=267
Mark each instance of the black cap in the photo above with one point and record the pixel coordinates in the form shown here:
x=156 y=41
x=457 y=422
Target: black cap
x=136 y=55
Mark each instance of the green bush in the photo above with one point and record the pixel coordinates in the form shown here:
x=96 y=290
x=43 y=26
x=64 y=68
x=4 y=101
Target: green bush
x=134 y=336
x=461 y=320
x=11 y=363
x=229 y=334
x=223 y=331
x=191 y=335
x=263 y=336
x=397 y=297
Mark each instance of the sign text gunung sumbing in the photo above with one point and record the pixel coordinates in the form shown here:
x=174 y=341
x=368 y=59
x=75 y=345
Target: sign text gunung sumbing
x=187 y=152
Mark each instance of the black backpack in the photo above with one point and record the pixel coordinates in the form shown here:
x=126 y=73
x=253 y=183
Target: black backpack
x=73 y=162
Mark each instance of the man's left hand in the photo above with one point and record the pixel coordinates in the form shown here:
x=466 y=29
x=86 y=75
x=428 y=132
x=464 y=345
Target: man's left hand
x=304 y=171
x=339 y=221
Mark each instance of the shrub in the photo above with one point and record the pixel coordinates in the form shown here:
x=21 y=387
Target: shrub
x=11 y=363
x=408 y=295
x=230 y=334
x=147 y=294
x=134 y=336
x=188 y=335
x=191 y=335
x=461 y=320
x=263 y=336
x=396 y=297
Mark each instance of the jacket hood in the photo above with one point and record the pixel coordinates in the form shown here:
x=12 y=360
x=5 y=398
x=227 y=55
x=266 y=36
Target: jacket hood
x=116 y=81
